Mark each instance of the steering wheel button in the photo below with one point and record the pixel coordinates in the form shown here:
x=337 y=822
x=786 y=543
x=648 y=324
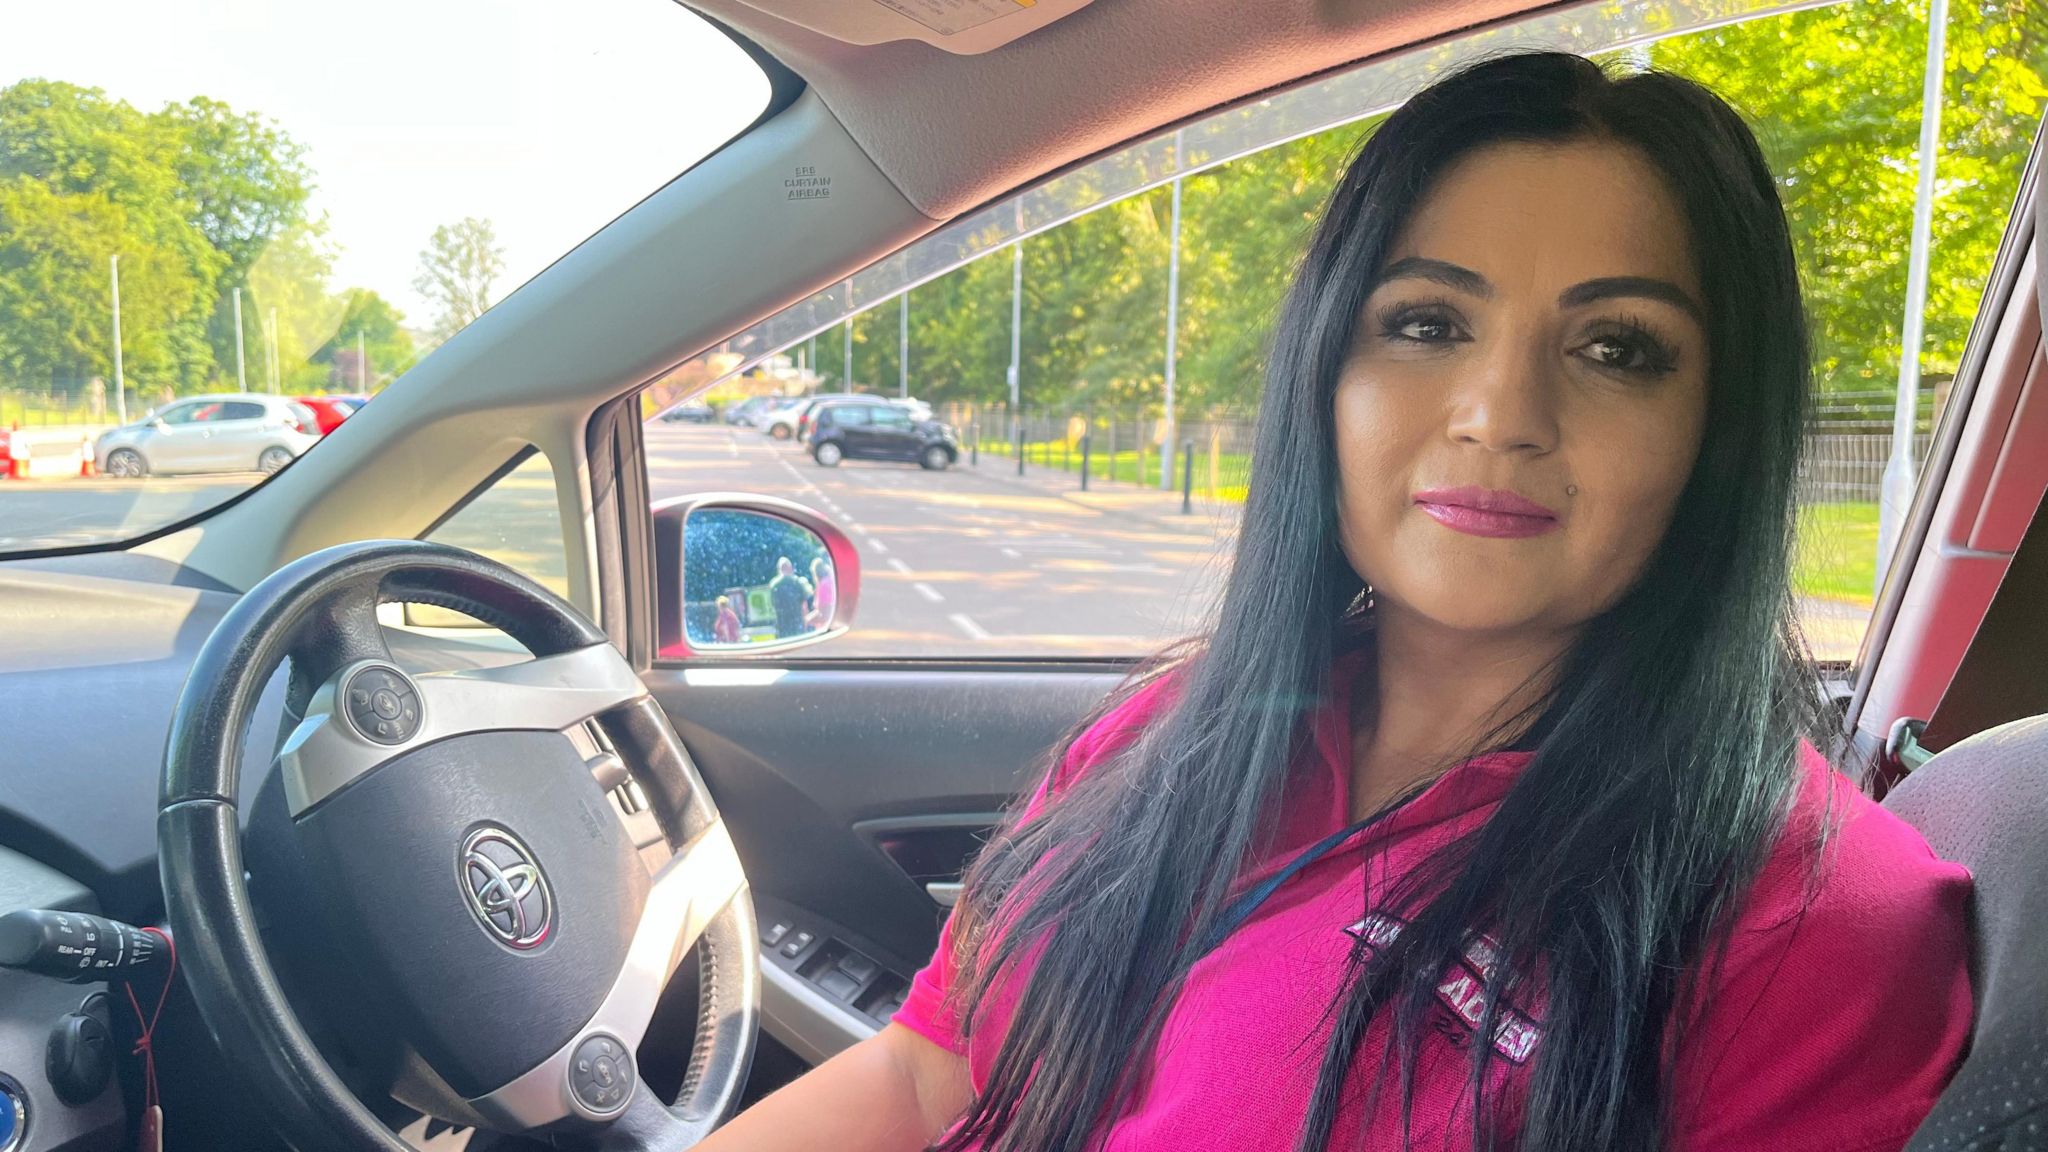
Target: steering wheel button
x=383 y=706
x=601 y=1075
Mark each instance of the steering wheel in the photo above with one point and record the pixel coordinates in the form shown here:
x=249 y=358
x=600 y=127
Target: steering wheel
x=449 y=843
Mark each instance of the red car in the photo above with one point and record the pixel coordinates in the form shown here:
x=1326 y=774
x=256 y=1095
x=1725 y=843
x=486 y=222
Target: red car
x=328 y=411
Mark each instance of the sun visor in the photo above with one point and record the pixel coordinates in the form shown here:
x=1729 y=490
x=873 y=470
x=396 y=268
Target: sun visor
x=962 y=27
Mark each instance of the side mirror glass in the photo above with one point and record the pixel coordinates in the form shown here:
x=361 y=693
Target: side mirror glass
x=753 y=579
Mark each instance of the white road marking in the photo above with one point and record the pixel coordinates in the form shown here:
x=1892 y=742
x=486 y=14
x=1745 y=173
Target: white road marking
x=928 y=592
x=877 y=545
x=966 y=624
x=1013 y=554
x=899 y=565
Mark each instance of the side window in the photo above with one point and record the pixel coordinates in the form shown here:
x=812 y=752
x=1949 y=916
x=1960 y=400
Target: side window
x=179 y=413
x=891 y=417
x=240 y=410
x=849 y=415
x=1093 y=476
x=516 y=521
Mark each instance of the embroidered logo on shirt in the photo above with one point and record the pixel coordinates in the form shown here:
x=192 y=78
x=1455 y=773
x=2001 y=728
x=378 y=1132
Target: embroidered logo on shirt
x=1463 y=989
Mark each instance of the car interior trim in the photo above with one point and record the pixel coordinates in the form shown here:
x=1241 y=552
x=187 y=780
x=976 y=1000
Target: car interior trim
x=800 y=1017
x=2017 y=253
x=326 y=753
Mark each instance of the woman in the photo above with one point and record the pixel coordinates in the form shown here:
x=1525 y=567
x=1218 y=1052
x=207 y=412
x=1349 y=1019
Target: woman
x=1501 y=831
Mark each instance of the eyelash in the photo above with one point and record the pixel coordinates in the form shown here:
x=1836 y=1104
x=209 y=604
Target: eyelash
x=1659 y=358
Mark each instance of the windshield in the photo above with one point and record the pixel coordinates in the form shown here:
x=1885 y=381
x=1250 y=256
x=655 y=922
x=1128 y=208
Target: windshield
x=260 y=205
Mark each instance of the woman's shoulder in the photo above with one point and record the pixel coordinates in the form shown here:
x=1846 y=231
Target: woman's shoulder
x=1846 y=976
x=1143 y=703
x=1845 y=862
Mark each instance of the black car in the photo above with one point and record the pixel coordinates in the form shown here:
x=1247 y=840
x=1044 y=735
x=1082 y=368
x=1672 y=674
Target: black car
x=879 y=430
x=690 y=412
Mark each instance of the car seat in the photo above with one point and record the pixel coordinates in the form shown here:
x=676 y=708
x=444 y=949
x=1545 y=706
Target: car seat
x=1983 y=803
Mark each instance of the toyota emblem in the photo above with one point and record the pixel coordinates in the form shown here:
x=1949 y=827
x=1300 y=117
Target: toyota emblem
x=506 y=890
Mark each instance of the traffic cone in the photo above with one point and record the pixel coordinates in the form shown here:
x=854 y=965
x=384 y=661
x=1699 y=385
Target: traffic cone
x=85 y=469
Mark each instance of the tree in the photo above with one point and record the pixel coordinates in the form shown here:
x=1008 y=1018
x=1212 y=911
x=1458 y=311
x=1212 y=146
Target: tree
x=56 y=326
x=457 y=269
x=386 y=345
x=1835 y=96
x=191 y=198
x=245 y=183
x=243 y=180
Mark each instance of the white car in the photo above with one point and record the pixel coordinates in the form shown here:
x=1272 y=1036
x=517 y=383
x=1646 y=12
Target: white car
x=223 y=432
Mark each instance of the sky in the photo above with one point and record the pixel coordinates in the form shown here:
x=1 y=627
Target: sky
x=546 y=117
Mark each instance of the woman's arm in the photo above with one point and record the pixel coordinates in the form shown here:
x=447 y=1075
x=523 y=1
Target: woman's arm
x=894 y=1092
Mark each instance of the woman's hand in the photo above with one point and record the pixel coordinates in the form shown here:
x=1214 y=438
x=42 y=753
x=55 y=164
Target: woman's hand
x=894 y=1092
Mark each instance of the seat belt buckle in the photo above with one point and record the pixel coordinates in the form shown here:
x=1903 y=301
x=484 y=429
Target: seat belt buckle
x=1902 y=750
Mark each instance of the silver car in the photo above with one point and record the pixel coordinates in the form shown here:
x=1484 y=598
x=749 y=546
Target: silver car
x=226 y=432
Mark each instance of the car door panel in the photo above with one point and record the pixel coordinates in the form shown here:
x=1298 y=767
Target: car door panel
x=896 y=439
x=849 y=792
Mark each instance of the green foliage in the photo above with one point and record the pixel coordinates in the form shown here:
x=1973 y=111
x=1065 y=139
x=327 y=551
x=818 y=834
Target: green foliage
x=386 y=345
x=1834 y=94
x=195 y=199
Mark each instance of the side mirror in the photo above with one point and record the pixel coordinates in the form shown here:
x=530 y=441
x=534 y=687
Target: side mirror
x=746 y=575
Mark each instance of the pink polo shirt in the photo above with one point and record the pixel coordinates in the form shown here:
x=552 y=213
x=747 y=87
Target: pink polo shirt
x=1835 y=1020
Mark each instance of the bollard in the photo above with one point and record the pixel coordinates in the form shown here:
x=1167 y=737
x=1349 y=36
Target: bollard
x=1020 y=447
x=1187 y=477
x=1084 y=461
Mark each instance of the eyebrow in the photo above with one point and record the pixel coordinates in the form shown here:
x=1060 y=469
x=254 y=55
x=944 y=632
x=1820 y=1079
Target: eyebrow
x=1438 y=272
x=1645 y=287
x=1578 y=295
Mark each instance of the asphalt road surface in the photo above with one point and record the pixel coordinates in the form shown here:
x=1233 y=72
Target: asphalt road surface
x=61 y=513
x=971 y=562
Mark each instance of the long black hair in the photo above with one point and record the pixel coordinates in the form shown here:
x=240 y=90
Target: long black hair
x=1665 y=757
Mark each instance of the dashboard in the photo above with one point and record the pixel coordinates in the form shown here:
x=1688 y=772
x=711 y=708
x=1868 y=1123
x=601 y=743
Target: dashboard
x=37 y=1015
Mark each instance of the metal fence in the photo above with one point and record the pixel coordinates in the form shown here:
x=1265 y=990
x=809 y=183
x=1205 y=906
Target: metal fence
x=1211 y=454
x=28 y=408
x=1844 y=459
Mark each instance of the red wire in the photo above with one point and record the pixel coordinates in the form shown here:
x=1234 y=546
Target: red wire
x=144 y=1047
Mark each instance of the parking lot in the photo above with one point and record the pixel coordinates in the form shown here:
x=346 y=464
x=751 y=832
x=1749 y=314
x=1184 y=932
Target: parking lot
x=975 y=561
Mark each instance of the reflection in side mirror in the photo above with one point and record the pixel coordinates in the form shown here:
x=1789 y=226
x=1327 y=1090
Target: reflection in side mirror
x=752 y=579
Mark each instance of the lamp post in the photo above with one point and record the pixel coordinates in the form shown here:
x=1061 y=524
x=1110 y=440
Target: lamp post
x=1172 y=320
x=1900 y=469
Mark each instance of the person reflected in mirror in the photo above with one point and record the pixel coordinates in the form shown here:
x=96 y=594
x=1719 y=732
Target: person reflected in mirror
x=726 y=629
x=787 y=594
x=824 y=596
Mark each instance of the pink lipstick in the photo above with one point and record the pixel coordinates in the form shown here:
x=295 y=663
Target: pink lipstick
x=1489 y=512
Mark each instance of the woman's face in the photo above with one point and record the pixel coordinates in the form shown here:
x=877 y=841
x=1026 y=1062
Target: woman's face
x=1526 y=390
